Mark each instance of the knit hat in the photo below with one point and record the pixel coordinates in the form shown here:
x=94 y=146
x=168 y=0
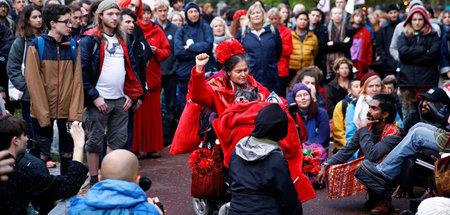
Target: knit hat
x=271 y=122
x=5 y=3
x=437 y=94
x=106 y=5
x=391 y=7
x=191 y=5
x=367 y=76
x=414 y=2
x=298 y=87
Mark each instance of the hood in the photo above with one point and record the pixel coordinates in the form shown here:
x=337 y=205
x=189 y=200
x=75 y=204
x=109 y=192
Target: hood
x=189 y=6
x=126 y=194
x=422 y=11
x=413 y=2
x=65 y=40
x=252 y=148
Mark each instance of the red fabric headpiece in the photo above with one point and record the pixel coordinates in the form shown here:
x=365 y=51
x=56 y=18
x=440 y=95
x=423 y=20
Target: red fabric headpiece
x=239 y=13
x=125 y=3
x=227 y=49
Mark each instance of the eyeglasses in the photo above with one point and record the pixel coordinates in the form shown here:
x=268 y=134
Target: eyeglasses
x=67 y=22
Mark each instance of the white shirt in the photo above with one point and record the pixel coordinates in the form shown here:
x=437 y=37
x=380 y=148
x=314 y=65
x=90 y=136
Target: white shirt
x=112 y=77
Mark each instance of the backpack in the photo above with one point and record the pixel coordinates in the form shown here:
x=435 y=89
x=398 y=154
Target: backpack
x=73 y=47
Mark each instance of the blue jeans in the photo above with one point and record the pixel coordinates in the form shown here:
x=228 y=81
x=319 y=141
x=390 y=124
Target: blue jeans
x=419 y=136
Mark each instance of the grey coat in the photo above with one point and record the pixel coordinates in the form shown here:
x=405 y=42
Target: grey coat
x=14 y=66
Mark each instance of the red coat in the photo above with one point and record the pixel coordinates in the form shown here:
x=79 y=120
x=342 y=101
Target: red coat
x=218 y=93
x=238 y=122
x=287 y=47
x=365 y=59
x=155 y=37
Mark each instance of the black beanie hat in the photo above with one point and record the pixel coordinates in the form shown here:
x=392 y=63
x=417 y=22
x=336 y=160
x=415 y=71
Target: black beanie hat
x=391 y=7
x=271 y=122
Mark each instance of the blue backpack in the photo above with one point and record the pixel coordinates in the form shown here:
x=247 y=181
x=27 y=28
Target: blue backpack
x=73 y=47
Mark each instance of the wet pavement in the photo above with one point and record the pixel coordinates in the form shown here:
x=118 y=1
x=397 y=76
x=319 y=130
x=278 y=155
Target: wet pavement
x=171 y=178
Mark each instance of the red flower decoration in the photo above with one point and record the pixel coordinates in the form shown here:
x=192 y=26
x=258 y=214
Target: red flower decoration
x=227 y=49
x=206 y=162
x=239 y=13
x=316 y=153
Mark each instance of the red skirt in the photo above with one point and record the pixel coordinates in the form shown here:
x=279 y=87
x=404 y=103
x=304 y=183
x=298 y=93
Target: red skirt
x=148 y=133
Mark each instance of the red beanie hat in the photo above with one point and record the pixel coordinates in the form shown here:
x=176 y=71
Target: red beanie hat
x=367 y=76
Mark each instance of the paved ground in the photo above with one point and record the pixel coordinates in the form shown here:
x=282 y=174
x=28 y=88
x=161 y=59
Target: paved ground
x=171 y=178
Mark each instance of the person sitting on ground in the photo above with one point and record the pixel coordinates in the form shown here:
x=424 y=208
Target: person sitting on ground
x=429 y=108
x=377 y=136
x=260 y=178
x=312 y=116
x=117 y=191
x=421 y=135
x=23 y=186
x=309 y=76
x=340 y=114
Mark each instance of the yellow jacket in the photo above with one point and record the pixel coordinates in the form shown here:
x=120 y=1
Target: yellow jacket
x=305 y=52
x=339 y=126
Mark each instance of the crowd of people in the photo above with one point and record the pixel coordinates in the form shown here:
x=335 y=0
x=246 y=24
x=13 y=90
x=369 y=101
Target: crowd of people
x=370 y=82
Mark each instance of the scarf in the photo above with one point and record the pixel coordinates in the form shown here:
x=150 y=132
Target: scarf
x=361 y=109
x=148 y=29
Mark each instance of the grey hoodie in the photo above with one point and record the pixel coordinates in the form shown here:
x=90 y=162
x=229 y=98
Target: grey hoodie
x=253 y=149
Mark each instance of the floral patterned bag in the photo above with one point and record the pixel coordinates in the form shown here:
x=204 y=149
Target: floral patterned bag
x=208 y=178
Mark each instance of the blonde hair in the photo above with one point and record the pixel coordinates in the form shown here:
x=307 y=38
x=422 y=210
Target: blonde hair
x=161 y=3
x=273 y=12
x=227 y=33
x=364 y=87
x=266 y=20
x=183 y=19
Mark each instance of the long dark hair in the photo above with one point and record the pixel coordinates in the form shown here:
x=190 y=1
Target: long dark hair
x=24 y=29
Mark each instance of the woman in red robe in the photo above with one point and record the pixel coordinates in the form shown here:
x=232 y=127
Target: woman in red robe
x=147 y=134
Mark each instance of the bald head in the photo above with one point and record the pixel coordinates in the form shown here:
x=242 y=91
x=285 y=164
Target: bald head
x=120 y=164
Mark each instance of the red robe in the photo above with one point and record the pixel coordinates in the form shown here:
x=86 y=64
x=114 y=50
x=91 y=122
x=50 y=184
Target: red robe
x=283 y=63
x=147 y=134
x=238 y=122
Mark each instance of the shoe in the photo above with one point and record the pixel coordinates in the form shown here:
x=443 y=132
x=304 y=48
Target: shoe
x=369 y=176
x=50 y=164
x=384 y=208
x=154 y=155
x=142 y=155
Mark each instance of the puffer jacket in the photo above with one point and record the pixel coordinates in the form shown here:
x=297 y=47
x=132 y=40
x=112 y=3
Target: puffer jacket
x=419 y=58
x=286 y=38
x=93 y=52
x=264 y=52
x=203 y=43
x=304 y=52
x=113 y=197
x=14 y=65
x=55 y=84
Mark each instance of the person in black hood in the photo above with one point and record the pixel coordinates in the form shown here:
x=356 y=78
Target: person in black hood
x=433 y=109
x=260 y=178
x=194 y=38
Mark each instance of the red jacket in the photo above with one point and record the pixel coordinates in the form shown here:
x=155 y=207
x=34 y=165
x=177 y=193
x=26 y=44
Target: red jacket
x=365 y=59
x=287 y=47
x=238 y=121
x=132 y=87
x=218 y=93
x=155 y=37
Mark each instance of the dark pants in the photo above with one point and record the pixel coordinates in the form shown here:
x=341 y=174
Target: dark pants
x=182 y=91
x=169 y=84
x=44 y=137
x=284 y=83
x=26 y=116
